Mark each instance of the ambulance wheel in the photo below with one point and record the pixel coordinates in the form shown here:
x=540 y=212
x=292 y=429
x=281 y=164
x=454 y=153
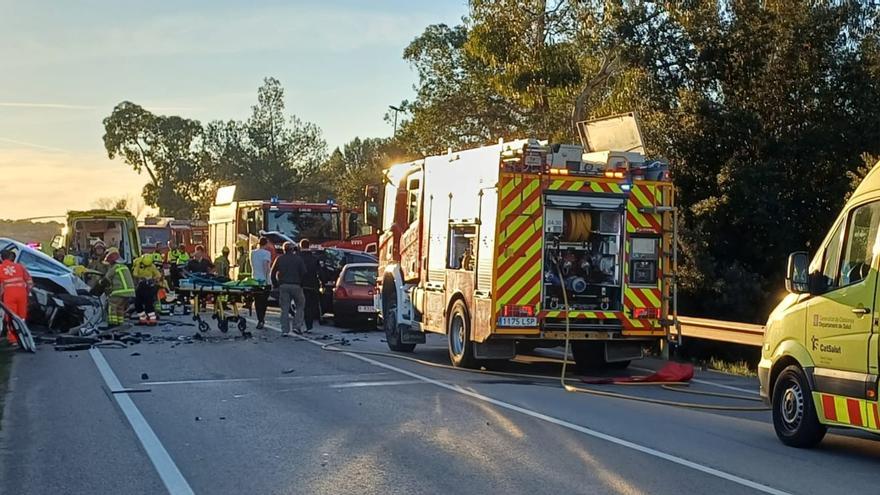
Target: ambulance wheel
x=392 y=333
x=203 y=326
x=794 y=414
x=458 y=331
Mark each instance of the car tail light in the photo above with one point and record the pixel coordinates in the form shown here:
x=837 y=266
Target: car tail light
x=514 y=310
x=341 y=292
x=646 y=313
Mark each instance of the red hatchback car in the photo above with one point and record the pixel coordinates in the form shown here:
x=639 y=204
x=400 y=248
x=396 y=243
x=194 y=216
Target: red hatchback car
x=353 y=296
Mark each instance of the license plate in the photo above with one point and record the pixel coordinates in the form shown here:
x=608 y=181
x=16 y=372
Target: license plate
x=517 y=321
x=366 y=309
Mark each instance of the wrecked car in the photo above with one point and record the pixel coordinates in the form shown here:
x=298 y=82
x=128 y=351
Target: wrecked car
x=61 y=301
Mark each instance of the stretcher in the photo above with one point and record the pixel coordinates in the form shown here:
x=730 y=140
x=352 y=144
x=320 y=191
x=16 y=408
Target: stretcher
x=227 y=300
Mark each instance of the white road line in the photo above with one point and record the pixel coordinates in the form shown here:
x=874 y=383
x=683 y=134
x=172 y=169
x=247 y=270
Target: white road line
x=565 y=424
x=171 y=476
x=388 y=383
x=278 y=378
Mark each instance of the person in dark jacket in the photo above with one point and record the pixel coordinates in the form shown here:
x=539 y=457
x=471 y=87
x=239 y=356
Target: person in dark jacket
x=288 y=273
x=311 y=284
x=199 y=263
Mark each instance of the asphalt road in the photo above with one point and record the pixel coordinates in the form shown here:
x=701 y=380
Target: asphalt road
x=281 y=415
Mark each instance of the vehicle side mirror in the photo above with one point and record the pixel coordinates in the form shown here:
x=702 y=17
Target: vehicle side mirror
x=797 y=279
x=56 y=241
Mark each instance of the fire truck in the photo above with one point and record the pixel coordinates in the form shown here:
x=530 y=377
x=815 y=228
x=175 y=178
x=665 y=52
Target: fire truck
x=324 y=224
x=521 y=243
x=186 y=234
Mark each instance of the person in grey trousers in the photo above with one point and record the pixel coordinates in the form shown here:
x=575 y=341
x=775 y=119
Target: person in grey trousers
x=288 y=273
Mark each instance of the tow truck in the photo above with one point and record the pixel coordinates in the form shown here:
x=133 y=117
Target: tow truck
x=523 y=243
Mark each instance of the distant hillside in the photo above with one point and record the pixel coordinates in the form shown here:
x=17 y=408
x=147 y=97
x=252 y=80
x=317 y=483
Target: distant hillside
x=26 y=231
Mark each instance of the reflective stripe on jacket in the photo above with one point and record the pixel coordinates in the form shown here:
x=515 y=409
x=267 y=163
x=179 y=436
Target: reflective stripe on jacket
x=122 y=284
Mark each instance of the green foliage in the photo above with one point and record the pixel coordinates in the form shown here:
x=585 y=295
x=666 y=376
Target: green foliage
x=167 y=149
x=269 y=154
x=763 y=109
x=357 y=164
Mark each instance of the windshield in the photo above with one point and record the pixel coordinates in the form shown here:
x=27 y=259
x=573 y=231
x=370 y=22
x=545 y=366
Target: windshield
x=36 y=264
x=316 y=226
x=150 y=236
x=361 y=275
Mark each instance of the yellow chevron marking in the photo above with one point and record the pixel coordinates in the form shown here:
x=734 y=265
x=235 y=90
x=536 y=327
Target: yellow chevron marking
x=517 y=266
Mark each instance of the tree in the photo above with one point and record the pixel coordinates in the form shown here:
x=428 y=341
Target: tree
x=456 y=106
x=168 y=150
x=357 y=164
x=269 y=154
x=135 y=206
x=762 y=108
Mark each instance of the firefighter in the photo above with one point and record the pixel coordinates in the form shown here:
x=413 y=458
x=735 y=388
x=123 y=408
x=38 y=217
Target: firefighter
x=119 y=287
x=162 y=292
x=77 y=269
x=15 y=285
x=243 y=260
x=221 y=263
x=147 y=278
x=96 y=258
x=177 y=258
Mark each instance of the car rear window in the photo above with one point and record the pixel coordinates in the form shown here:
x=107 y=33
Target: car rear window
x=360 y=276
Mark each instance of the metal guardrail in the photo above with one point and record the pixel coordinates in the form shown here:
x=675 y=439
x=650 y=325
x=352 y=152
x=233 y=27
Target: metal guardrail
x=723 y=331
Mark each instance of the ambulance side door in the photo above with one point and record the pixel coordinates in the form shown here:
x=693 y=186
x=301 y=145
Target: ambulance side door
x=841 y=314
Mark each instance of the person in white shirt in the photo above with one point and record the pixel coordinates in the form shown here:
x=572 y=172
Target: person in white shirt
x=261 y=263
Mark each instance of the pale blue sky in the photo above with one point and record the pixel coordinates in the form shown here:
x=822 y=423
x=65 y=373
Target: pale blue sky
x=65 y=64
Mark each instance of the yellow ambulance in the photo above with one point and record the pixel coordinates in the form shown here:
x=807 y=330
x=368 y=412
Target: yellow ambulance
x=819 y=362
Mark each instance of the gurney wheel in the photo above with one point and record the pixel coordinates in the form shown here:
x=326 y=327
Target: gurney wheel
x=203 y=326
x=223 y=325
x=242 y=325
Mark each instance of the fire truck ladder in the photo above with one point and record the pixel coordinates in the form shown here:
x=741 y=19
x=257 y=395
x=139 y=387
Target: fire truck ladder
x=669 y=261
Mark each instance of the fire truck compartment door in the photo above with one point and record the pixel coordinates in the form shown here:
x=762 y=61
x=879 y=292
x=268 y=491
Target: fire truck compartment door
x=584 y=202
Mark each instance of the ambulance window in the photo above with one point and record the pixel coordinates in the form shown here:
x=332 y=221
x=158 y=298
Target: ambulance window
x=831 y=260
x=861 y=235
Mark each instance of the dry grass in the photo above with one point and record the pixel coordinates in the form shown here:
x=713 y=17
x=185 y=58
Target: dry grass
x=740 y=368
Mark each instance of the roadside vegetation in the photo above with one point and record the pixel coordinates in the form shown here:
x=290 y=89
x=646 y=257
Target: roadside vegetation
x=725 y=357
x=766 y=111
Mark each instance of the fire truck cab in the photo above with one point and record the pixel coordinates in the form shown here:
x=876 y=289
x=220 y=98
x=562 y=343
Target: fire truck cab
x=521 y=243
x=325 y=224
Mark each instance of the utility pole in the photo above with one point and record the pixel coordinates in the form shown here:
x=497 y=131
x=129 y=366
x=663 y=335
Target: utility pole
x=395 y=110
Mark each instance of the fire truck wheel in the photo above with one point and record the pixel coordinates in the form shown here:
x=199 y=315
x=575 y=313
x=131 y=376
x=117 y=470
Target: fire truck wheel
x=794 y=415
x=392 y=333
x=458 y=331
